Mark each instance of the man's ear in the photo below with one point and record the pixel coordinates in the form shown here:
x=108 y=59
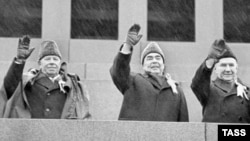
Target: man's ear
x=63 y=68
x=165 y=69
x=39 y=62
x=215 y=67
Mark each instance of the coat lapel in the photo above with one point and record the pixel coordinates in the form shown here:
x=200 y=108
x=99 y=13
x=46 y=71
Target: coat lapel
x=44 y=81
x=233 y=91
x=165 y=84
x=159 y=82
x=229 y=89
x=153 y=80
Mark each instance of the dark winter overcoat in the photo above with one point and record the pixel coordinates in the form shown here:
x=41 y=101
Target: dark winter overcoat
x=144 y=97
x=219 y=102
x=36 y=88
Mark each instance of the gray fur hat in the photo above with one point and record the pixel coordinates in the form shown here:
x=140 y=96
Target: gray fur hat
x=49 y=47
x=152 y=47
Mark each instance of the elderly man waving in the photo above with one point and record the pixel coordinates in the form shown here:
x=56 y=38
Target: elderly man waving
x=153 y=95
x=49 y=92
x=224 y=99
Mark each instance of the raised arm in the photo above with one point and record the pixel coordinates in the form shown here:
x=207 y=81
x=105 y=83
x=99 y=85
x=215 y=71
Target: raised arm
x=201 y=81
x=14 y=74
x=120 y=70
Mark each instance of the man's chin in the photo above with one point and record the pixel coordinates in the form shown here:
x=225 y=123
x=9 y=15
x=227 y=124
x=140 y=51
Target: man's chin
x=228 y=79
x=52 y=73
x=155 y=72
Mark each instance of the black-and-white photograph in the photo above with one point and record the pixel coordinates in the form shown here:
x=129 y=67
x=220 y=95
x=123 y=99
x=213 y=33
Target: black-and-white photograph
x=124 y=70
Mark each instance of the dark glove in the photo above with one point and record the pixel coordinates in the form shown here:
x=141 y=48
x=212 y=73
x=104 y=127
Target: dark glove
x=218 y=48
x=23 y=51
x=132 y=37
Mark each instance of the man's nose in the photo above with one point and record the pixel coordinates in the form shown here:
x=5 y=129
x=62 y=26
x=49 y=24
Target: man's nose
x=228 y=68
x=154 y=61
x=51 y=62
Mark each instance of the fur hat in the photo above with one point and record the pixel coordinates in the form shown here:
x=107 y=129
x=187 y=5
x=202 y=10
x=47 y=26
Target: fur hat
x=152 y=47
x=49 y=47
x=227 y=52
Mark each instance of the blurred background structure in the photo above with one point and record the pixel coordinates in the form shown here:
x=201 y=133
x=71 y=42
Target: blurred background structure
x=90 y=32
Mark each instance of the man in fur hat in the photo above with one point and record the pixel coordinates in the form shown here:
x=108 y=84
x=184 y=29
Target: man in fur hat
x=49 y=92
x=223 y=99
x=152 y=96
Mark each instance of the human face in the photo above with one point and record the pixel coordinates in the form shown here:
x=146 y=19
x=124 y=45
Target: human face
x=226 y=69
x=50 y=65
x=153 y=63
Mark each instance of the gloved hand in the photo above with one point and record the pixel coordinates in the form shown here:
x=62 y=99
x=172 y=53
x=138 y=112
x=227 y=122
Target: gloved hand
x=132 y=37
x=23 y=51
x=218 y=48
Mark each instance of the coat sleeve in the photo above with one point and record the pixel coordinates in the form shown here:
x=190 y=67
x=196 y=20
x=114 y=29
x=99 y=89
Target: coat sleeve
x=183 y=115
x=201 y=83
x=120 y=71
x=12 y=78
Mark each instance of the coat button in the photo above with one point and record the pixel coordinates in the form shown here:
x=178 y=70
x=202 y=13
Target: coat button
x=48 y=94
x=242 y=102
x=47 y=109
x=240 y=118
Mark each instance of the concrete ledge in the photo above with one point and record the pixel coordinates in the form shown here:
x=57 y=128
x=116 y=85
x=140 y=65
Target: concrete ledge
x=64 y=130
x=212 y=133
